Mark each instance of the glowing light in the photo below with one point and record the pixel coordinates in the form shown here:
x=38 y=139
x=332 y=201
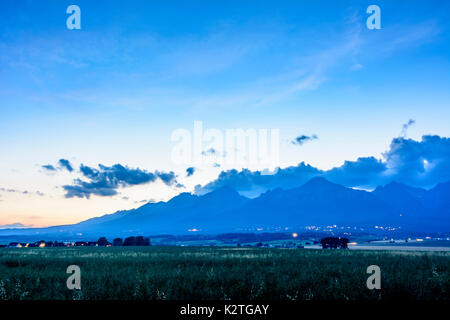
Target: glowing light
x=419 y=240
x=352 y=243
x=42 y=245
x=295 y=235
x=193 y=230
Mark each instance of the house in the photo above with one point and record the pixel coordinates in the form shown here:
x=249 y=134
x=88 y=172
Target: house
x=14 y=245
x=80 y=244
x=334 y=243
x=39 y=244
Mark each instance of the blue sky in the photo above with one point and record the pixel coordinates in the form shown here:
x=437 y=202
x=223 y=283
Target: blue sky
x=114 y=91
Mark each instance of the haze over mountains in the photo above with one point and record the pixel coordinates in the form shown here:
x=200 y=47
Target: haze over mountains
x=316 y=203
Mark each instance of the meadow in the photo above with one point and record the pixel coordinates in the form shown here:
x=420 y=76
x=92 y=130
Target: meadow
x=209 y=273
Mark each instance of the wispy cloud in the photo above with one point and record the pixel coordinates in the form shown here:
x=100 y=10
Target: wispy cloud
x=301 y=139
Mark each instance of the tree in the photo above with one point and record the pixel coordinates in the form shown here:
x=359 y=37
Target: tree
x=141 y=241
x=102 y=242
x=118 y=242
x=334 y=243
x=130 y=241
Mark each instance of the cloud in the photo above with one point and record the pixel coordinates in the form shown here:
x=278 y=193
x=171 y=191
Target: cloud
x=49 y=167
x=16 y=225
x=8 y=190
x=423 y=163
x=210 y=151
x=26 y=192
x=105 y=180
x=65 y=164
x=251 y=183
x=190 y=171
x=300 y=140
x=406 y=126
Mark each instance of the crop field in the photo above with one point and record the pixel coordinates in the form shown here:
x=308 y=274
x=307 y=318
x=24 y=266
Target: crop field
x=207 y=273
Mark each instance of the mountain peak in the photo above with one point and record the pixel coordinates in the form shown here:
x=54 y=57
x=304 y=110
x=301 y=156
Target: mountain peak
x=319 y=182
x=395 y=187
x=223 y=192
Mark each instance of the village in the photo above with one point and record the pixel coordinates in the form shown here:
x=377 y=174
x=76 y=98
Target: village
x=101 y=242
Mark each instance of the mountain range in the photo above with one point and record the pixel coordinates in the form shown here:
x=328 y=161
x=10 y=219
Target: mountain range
x=317 y=203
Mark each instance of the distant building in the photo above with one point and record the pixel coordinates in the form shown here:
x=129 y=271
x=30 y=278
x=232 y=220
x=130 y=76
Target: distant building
x=14 y=245
x=334 y=243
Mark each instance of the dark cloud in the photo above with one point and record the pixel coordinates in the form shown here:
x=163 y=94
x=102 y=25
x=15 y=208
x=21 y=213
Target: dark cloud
x=49 y=167
x=422 y=163
x=362 y=172
x=168 y=178
x=105 y=180
x=300 y=140
x=65 y=164
x=190 y=171
x=251 y=183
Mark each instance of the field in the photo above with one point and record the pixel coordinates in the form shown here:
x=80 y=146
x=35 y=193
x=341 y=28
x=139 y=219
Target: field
x=177 y=273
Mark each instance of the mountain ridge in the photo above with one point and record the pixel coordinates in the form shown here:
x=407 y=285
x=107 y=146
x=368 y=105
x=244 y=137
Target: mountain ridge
x=317 y=202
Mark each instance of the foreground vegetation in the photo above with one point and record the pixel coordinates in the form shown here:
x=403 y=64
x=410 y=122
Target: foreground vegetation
x=222 y=273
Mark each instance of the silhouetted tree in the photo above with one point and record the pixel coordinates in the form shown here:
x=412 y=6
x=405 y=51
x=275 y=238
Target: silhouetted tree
x=102 y=242
x=334 y=243
x=141 y=241
x=117 y=242
x=130 y=241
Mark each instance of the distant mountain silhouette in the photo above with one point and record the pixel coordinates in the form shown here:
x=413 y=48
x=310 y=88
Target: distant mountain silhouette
x=407 y=200
x=318 y=202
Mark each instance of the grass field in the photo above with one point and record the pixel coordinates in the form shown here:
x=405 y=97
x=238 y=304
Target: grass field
x=177 y=273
